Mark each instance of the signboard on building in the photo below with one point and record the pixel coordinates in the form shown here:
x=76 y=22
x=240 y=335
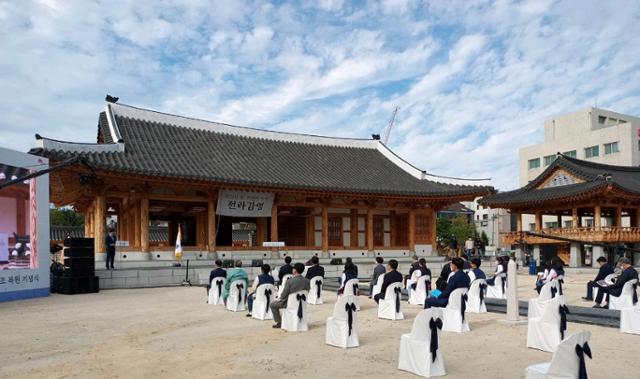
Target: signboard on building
x=244 y=204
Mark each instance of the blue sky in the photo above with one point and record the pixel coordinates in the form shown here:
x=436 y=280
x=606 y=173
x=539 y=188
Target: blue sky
x=474 y=80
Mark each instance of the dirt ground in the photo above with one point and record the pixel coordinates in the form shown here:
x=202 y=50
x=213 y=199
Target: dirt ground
x=172 y=332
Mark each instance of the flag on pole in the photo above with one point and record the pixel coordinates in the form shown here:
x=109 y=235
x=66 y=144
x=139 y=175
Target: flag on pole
x=178 y=253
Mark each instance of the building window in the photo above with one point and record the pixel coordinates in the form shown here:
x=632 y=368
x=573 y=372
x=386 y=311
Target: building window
x=602 y=120
x=549 y=159
x=571 y=154
x=534 y=163
x=335 y=231
x=610 y=148
x=592 y=151
x=422 y=227
x=485 y=216
x=378 y=230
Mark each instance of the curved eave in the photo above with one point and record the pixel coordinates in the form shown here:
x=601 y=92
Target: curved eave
x=52 y=145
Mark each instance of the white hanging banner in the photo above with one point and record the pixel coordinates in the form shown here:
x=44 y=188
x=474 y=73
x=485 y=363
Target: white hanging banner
x=244 y=204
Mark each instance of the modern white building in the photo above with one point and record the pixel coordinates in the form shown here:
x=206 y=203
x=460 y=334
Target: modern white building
x=492 y=222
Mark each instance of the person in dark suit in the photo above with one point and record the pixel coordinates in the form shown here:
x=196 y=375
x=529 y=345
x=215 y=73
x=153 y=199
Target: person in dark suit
x=110 y=244
x=293 y=285
x=315 y=269
x=605 y=269
x=476 y=272
x=441 y=282
x=285 y=269
x=415 y=265
x=458 y=280
x=628 y=273
x=378 y=270
x=355 y=268
x=391 y=276
x=217 y=272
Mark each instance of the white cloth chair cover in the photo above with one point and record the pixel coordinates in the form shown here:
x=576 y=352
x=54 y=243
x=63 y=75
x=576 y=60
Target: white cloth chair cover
x=625 y=300
x=475 y=302
x=417 y=296
x=338 y=332
x=215 y=292
x=450 y=275
x=544 y=332
x=454 y=319
x=609 y=279
x=281 y=285
x=538 y=304
x=315 y=293
x=291 y=320
x=414 y=277
x=495 y=291
x=350 y=290
x=565 y=363
x=415 y=347
x=261 y=304
x=389 y=307
x=378 y=285
x=237 y=296
x=630 y=319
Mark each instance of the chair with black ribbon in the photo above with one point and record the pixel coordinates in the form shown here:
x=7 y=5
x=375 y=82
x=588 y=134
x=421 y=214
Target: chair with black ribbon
x=630 y=319
x=351 y=288
x=538 y=304
x=265 y=293
x=476 y=294
x=454 y=313
x=411 y=283
x=237 y=296
x=420 y=351
x=377 y=286
x=389 y=307
x=568 y=361
x=628 y=297
x=294 y=317
x=282 y=283
x=498 y=289
x=546 y=331
x=215 y=292
x=315 y=294
x=341 y=326
x=418 y=294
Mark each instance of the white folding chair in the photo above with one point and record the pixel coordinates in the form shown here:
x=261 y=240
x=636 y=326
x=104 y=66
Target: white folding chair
x=417 y=296
x=389 y=307
x=609 y=279
x=265 y=293
x=283 y=282
x=454 y=313
x=476 y=295
x=237 y=296
x=538 y=304
x=315 y=293
x=545 y=332
x=351 y=289
x=378 y=285
x=215 y=292
x=630 y=319
x=626 y=298
x=497 y=290
x=414 y=277
x=420 y=352
x=294 y=316
x=341 y=327
x=567 y=361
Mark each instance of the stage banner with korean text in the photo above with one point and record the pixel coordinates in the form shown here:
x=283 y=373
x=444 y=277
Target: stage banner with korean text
x=244 y=204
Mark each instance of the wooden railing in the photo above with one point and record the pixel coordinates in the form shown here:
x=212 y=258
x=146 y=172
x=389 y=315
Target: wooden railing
x=588 y=234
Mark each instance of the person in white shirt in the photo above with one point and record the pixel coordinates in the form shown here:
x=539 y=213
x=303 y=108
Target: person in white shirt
x=499 y=270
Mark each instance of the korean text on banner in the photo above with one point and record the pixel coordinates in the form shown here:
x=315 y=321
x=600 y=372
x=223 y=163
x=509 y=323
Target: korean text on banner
x=244 y=204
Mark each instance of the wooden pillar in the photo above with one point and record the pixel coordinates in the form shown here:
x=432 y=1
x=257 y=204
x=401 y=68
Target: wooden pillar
x=87 y=223
x=518 y=222
x=559 y=219
x=412 y=230
x=274 y=223
x=597 y=214
x=538 y=221
x=574 y=218
x=354 y=228
x=144 y=224
x=618 y=217
x=325 y=227
x=100 y=226
x=261 y=231
x=393 y=228
x=21 y=218
x=137 y=225
x=433 y=221
x=370 y=229
x=211 y=226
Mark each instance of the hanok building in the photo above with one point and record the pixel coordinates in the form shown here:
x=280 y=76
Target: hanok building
x=230 y=189
x=583 y=210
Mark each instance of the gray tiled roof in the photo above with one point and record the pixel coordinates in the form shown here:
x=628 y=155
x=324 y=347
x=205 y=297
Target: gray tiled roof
x=169 y=146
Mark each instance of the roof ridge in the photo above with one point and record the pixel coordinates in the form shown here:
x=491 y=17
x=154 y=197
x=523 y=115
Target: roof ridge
x=600 y=165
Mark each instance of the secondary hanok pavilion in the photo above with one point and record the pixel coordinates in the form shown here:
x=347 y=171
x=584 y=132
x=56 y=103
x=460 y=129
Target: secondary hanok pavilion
x=582 y=210
x=233 y=188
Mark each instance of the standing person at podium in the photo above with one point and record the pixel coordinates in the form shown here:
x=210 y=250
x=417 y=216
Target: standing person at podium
x=110 y=244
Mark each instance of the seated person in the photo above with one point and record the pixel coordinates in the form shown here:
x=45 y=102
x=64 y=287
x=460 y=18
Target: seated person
x=422 y=267
x=264 y=278
x=348 y=274
x=349 y=260
x=499 y=270
x=605 y=270
x=315 y=269
x=441 y=283
x=378 y=270
x=628 y=273
x=475 y=272
x=293 y=285
x=391 y=276
x=555 y=270
x=415 y=265
x=236 y=274
x=285 y=269
x=458 y=280
x=217 y=272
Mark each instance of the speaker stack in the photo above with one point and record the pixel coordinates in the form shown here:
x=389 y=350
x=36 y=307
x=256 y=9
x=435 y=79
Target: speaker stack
x=79 y=272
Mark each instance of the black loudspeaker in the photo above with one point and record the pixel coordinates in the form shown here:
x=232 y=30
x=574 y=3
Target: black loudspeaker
x=256 y=263
x=77 y=267
x=78 y=242
x=79 y=252
x=227 y=263
x=74 y=285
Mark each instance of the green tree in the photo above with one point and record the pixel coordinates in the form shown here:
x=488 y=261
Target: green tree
x=484 y=238
x=462 y=229
x=443 y=230
x=65 y=217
